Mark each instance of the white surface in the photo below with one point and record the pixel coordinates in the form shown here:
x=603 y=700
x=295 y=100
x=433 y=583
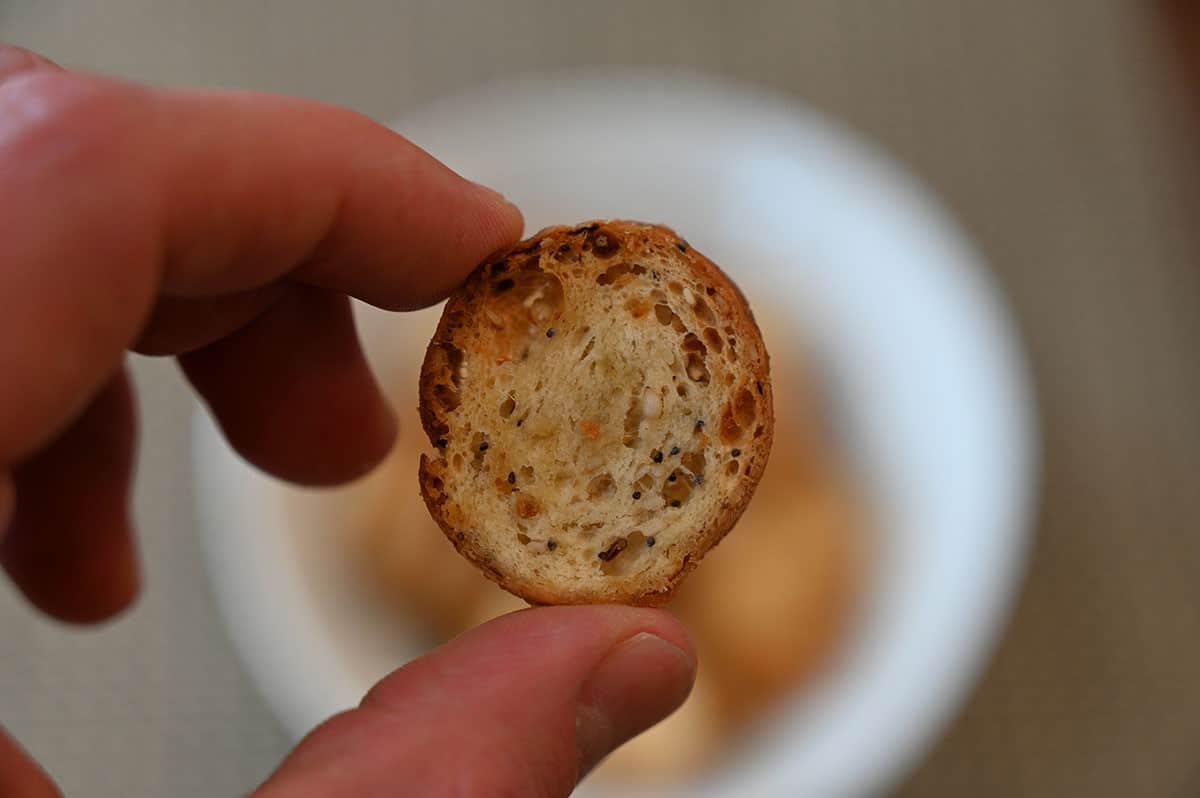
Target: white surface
x=933 y=403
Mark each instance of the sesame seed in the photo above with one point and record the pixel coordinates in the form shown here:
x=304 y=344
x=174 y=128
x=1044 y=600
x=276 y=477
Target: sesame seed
x=483 y=447
x=637 y=494
x=650 y=541
x=675 y=450
x=512 y=478
x=657 y=456
x=550 y=333
x=736 y=453
x=551 y=545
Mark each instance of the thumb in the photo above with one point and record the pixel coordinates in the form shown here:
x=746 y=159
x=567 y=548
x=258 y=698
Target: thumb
x=524 y=705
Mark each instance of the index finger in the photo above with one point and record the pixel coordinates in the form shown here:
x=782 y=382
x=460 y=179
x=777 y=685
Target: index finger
x=255 y=185
x=116 y=194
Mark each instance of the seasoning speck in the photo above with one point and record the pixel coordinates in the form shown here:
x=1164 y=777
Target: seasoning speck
x=657 y=456
x=698 y=479
x=675 y=450
x=483 y=447
x=637 y=494
x=736 y=453
x=551 y=545
x=699 y=424
x=672 y=478
x=650 y=541
x=441 y=443
x=550 y=333
x=512 y=478
x=677 y=503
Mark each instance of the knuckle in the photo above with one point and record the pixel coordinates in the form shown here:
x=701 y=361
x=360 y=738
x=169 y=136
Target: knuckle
x=53 y=115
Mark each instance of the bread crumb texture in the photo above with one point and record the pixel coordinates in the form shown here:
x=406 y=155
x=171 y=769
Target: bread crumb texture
x=600 y=406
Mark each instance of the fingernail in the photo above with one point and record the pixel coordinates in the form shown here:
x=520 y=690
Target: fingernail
x=491 y=192
x=14 y=60
x=498 y=198
x=638 y=683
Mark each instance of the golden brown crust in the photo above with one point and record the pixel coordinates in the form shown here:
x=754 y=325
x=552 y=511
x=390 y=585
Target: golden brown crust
x=438 y=398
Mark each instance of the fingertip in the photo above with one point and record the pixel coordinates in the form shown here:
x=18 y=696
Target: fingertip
x=311 y=448
x=293 y=393
x=465 y=223
x=379 y=433
x=637 y=684
x=109 y=593
x=14 y=60
x=643 y=666
x=502 y=220
x=70 y=546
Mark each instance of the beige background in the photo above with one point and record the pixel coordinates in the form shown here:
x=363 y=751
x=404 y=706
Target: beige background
x=1053 y=129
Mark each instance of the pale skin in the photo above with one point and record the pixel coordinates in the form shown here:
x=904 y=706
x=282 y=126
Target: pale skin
x=228 y=230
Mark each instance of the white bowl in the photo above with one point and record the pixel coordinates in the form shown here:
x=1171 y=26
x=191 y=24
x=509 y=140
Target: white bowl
x=933 y=406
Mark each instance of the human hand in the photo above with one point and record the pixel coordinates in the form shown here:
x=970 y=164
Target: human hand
x=228 y=229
